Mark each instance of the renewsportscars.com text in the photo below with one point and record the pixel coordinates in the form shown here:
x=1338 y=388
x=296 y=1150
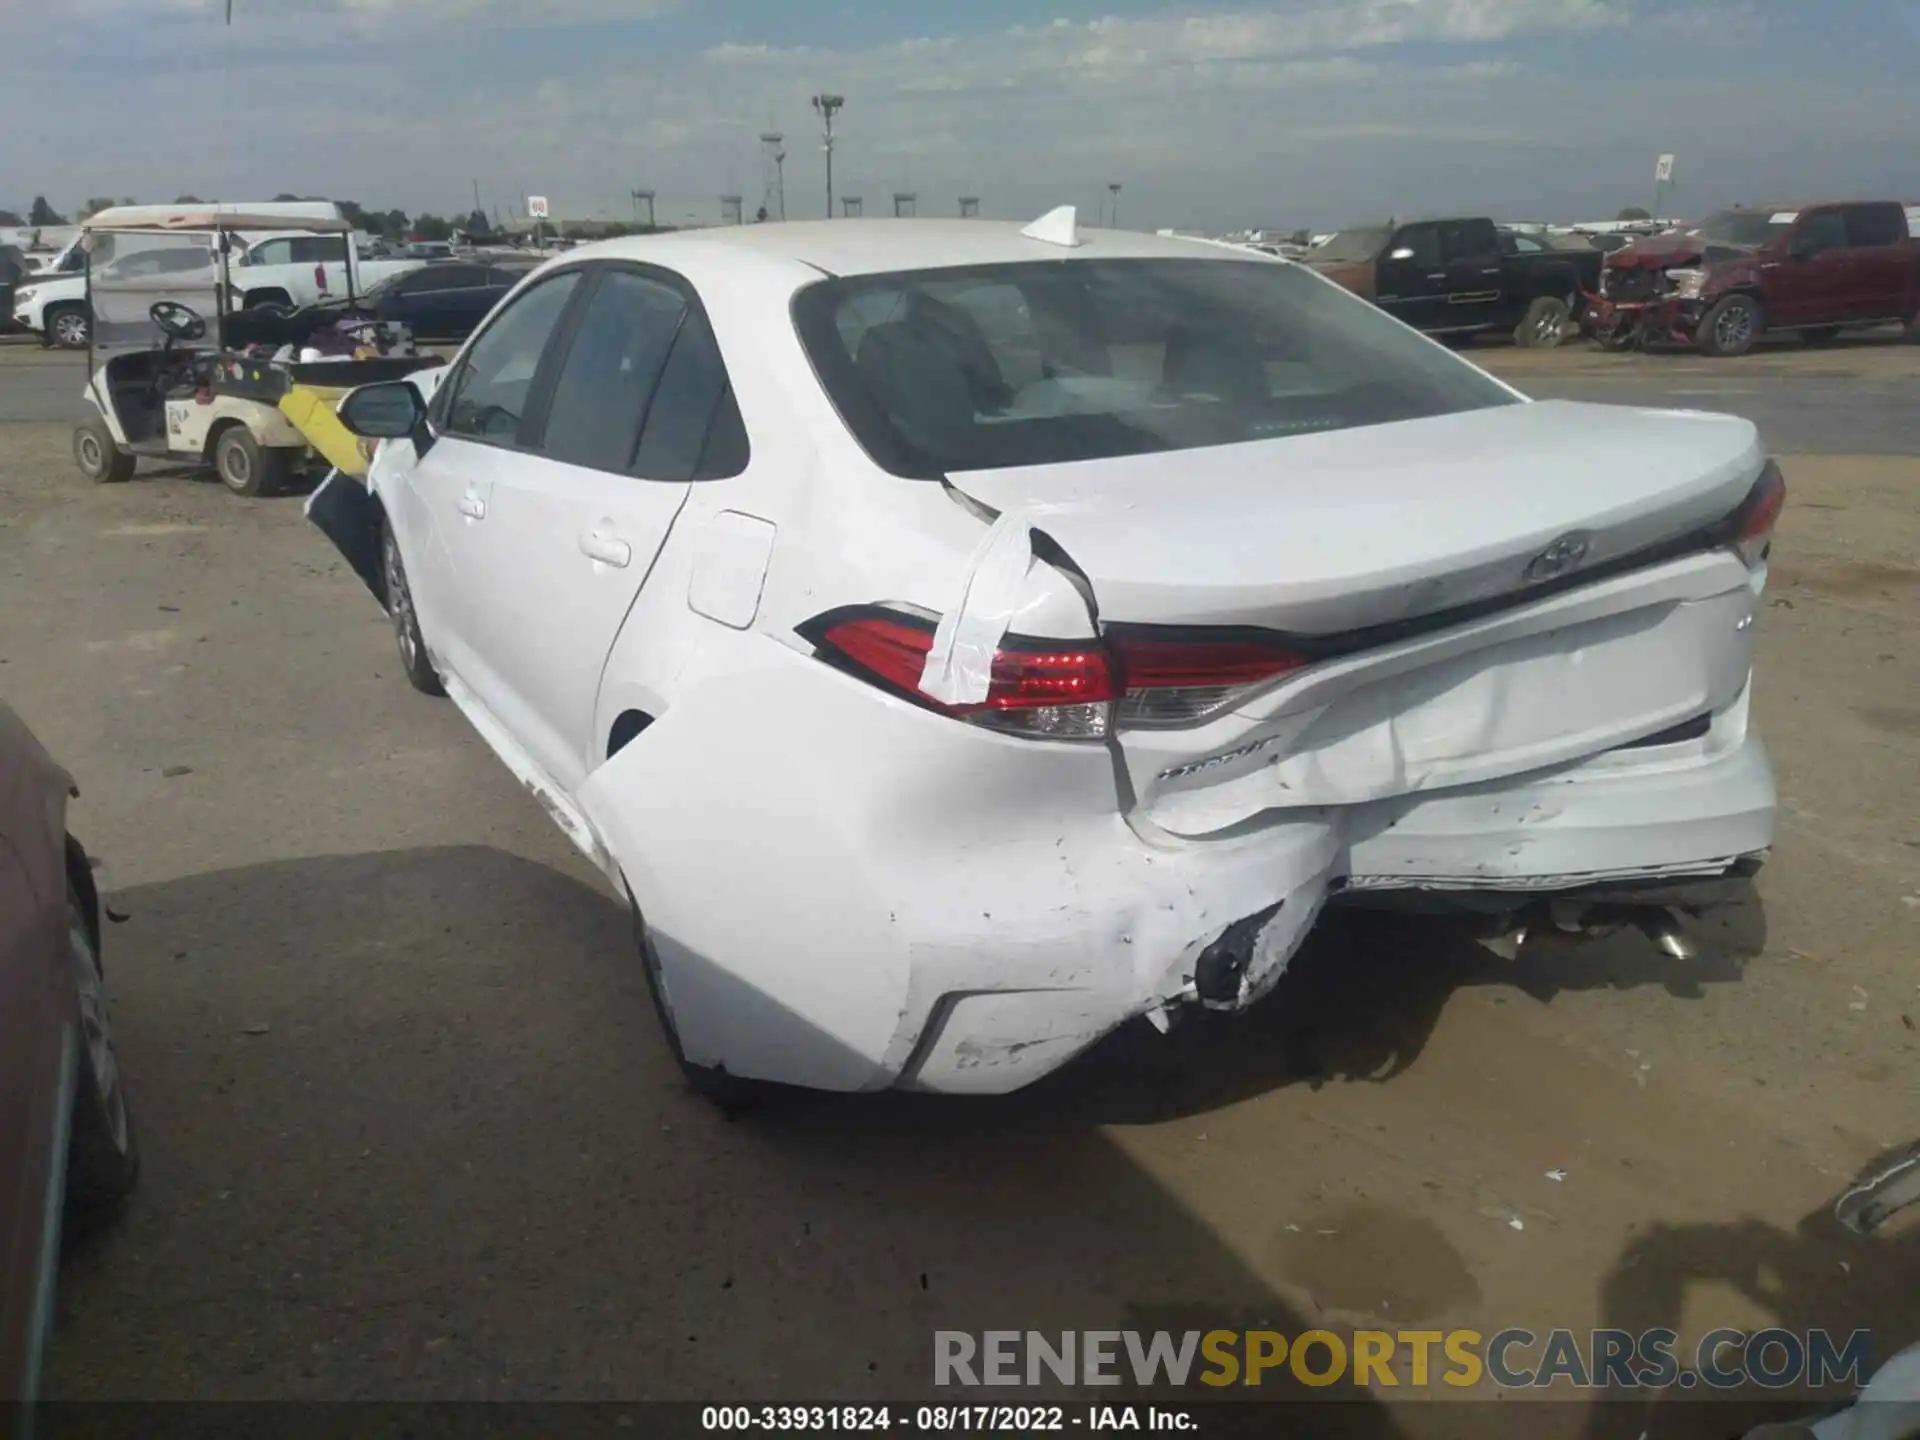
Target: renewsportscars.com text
x=1514 y=1359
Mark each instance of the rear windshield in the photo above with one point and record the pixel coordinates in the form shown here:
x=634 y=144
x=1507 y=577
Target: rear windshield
x=938 y=371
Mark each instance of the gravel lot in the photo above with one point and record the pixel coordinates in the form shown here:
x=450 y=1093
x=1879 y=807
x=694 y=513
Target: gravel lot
x=411 y=1130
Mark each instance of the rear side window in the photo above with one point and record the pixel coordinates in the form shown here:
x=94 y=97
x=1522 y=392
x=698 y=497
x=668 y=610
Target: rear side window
x=600 y=402
x=1870 y=225
x=320 y=250
x=1047 y=362
x=692 y=392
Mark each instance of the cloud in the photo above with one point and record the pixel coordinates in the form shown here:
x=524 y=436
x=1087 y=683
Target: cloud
x=1304 y=111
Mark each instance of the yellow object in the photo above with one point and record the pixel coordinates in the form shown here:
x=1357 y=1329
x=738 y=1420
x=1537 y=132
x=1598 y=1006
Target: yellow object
x=311 y=409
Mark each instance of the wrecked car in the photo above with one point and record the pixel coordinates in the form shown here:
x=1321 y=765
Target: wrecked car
x=1458 y=278
x=1718 y=286
x=958 y=640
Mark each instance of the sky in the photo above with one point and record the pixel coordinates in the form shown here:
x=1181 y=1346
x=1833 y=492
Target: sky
x=1284 y=113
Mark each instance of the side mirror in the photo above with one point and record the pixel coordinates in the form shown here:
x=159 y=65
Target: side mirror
x=386 y=410
x=1405 y=252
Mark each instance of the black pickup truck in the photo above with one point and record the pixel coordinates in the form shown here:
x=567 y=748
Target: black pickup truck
x=1461 y=277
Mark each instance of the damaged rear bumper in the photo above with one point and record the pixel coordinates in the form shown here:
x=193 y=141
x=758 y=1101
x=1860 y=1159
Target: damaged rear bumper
x=966 y=912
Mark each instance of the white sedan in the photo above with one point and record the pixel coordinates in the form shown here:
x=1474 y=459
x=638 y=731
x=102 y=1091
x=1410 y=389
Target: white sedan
x=958 y=640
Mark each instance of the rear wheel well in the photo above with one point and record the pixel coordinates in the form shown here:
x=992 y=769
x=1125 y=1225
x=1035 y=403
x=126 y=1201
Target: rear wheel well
x=214 y=432
x=626 y=726
x=80 y=876
x=265 y=297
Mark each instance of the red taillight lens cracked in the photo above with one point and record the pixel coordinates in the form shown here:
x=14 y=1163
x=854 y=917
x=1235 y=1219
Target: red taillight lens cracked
x=1062 y=689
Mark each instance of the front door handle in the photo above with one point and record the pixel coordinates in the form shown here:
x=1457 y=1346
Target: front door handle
x=600 y=544
x=473 y=507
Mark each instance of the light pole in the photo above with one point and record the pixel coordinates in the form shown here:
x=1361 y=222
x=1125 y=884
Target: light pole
x=826 y=105
x=1113 y=214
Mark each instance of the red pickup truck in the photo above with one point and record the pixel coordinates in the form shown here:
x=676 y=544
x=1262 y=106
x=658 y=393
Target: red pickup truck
x=1719 y=285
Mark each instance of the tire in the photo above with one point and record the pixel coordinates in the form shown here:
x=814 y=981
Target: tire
x=1615 y=341
x=103 y=1151
x=406 y=624
x=267 y=299
x=99 y=459
x=246 y=467
x=69 y=327
x=1820 y=335
x=1731 y=328
x=733 y=1094
x=1544 y=325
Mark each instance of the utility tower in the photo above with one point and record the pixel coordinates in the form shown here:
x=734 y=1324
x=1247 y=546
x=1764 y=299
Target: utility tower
x=730 y=209
x=905 y=204
x=969 y=207
x=850 y=206
x=643 y=197
x=826 y=106
x=1113 y=213
x=773 y=189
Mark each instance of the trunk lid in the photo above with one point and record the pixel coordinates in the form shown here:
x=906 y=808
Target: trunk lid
x=1436 y=521
x=1318 y=534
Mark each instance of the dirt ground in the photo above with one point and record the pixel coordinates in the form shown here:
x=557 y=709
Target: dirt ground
x=411 y=1131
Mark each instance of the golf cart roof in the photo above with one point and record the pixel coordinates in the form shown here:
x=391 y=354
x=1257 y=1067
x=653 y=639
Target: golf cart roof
x=320 y=219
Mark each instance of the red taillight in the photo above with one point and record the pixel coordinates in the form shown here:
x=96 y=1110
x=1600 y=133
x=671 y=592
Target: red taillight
x=1753 y=522
x=1035 y=687
x=1066 y=690
x=1176 y=681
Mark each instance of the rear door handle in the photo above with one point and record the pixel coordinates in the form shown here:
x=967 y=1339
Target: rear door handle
x=599 y=544
x=473 y=507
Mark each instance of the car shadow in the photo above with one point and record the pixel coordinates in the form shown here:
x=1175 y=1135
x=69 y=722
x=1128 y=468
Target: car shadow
x=1816 y=1276
x=411 y=1131
x=1360 y=1001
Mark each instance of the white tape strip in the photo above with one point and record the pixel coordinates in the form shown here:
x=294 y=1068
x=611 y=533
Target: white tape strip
x=959 y=667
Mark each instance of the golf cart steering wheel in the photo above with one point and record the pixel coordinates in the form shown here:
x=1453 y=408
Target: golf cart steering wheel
x=177 y=321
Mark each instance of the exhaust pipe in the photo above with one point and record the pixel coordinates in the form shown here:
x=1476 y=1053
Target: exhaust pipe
x=1584 y=921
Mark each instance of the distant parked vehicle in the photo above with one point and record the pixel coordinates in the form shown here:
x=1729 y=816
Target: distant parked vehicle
x=267 y=268
x=429 y=250
x=1718 y=286
x=446 y=300
x=1461 y=277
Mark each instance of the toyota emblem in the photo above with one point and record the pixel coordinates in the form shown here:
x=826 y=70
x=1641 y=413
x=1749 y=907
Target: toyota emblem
x=1560 y=558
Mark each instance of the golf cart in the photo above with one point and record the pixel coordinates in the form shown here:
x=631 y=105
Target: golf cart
x=176 y=373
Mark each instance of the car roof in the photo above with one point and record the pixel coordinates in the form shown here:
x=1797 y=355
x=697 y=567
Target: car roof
x=868 y=247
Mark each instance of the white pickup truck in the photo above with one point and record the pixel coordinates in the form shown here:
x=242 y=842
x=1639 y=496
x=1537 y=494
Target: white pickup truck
x=275 y=269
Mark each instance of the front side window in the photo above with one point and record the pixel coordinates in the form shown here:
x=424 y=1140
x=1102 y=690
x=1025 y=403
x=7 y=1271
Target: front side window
x=1424 y=242
x=601 y=398
x=941 y=371
x=271 y=252
x=489 y=395
x=1467 y=240
x=1821 y=233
